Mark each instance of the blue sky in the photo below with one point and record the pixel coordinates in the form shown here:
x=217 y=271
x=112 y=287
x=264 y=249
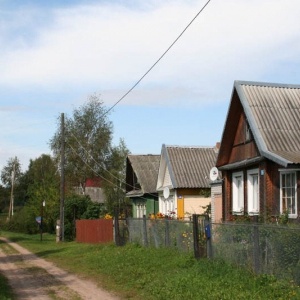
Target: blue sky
x=54 y=54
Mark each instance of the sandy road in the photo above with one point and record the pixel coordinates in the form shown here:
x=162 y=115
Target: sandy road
x=32 y=277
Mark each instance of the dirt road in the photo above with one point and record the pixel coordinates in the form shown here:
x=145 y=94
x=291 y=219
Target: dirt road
x=32 y=277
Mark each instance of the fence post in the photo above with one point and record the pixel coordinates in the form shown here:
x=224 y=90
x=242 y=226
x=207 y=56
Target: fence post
x=208 y=237
x=256 y=246
x=167 y=233
x=116 y=227
x=145 y=237
x=196 y=236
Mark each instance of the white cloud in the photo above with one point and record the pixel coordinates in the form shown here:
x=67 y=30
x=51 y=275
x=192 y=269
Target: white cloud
x=109 y=47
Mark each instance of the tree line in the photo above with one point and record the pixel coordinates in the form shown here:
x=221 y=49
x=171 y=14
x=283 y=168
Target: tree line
x=89 y=154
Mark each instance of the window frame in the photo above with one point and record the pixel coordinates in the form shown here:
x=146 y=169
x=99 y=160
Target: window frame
x=238 y=200
x=141 y=209
x=294 y=192
x=252 y=207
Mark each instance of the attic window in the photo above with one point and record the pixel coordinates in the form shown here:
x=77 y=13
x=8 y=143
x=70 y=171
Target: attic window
x=248 y=135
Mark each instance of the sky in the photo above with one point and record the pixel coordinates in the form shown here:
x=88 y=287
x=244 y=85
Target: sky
x=55 y=54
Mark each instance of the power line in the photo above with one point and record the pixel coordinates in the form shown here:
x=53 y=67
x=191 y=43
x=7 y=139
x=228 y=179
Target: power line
x=98 y=164
x=159 y=59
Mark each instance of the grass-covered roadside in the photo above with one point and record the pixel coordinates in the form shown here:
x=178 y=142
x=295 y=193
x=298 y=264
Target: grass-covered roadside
x=5 y=289
x=141 y=273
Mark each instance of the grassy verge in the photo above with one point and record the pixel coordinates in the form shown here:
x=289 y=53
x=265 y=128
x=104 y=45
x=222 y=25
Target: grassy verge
x=5 y=289
x=135 y=272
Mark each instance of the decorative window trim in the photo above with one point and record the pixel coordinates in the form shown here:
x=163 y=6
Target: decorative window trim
x=238 y=193
x=253 y=191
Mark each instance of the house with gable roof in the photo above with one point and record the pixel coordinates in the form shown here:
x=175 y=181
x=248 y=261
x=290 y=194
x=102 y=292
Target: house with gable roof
x=260 y=151
x=183 y=183
x=141 y=178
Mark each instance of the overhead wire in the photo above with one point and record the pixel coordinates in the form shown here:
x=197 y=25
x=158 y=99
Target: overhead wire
x=158 y=60
x=129 y=91
x=98 y=164
x=101 y=176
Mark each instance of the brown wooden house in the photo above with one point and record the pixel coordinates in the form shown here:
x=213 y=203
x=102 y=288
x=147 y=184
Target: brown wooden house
x=260 y=152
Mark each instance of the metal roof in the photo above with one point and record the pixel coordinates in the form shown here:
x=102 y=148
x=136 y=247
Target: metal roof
x=273 y=113
x=145 y=168
x=189 y=167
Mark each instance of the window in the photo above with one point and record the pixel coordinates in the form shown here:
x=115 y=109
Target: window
x=238 y=193
x=140 y=210
x=248 y=135
x=253 y=191
x=288 y=193
x=168 y=205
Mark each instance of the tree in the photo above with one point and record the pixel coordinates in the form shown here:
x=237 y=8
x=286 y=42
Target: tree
x=114 y=186
x=10 y=176
x=43 y=188
x=88 y=135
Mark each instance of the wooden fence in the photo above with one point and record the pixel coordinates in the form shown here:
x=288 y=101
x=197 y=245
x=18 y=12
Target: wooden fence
x=94 y=231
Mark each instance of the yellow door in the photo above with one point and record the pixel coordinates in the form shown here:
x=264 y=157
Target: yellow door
x=180 y=208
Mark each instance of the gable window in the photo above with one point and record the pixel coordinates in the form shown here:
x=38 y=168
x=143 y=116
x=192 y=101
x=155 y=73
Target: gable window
x=288 y=193
x=253 y=191
x=248 y=136
x=238 y=193
x=140 y=210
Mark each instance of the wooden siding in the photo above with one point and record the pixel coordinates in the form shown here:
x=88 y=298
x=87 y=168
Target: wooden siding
x=242 y=148
x=269 y=190
x=94 y=231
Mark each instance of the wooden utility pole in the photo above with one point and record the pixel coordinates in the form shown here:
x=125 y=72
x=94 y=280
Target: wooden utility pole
x=11 y=204
x=62 y=180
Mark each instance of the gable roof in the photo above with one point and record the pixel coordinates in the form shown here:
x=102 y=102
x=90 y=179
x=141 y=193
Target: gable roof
x=145 y=168
x=273 y=113
x=186 y=167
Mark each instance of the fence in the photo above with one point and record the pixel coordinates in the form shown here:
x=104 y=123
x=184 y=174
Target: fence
x=264 y=249
x=188 y=236
x=94 y=231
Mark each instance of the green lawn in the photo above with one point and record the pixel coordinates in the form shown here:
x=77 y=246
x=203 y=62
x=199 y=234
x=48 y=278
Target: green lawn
x=135 y=272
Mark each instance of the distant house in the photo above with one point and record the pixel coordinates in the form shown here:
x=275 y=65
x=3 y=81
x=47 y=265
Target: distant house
x=92 y=188
x=260 y=151
x=141 y=178
x=183 y=183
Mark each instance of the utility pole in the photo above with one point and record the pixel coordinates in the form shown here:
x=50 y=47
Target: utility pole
x=62 y=180
x=11 y=204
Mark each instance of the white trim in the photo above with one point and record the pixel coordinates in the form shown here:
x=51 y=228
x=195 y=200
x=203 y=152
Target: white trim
x=238 y=193
x=253 y=204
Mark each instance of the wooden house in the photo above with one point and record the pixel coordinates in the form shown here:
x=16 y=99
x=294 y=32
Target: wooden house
x=141 y=178
x=183 y=182
x=260 y=152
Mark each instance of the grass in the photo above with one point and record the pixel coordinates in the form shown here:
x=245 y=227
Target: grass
x=135 y=272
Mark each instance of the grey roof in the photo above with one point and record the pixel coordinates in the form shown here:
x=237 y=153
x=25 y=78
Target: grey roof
x=189 y=167
x=146 y=169
x=273 y=113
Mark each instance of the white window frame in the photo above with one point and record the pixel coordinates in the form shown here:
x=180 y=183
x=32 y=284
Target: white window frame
x=290 y=194
x=167 y=205
x=238 y=193
x=253 y=192
x=140 y=209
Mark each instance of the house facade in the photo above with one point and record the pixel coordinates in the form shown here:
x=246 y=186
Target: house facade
x=183 y=183
x=141 y=178
x=260 y=152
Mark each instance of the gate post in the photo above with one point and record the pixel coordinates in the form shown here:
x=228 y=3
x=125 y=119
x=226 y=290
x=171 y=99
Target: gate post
x=196 y=236
x=145 y=237
x=116 y=227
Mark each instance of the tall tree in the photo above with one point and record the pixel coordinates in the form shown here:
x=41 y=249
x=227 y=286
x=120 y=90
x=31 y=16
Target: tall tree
x=88 y=135
x=10 y=176
x=114 y=186
x=43 y=189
